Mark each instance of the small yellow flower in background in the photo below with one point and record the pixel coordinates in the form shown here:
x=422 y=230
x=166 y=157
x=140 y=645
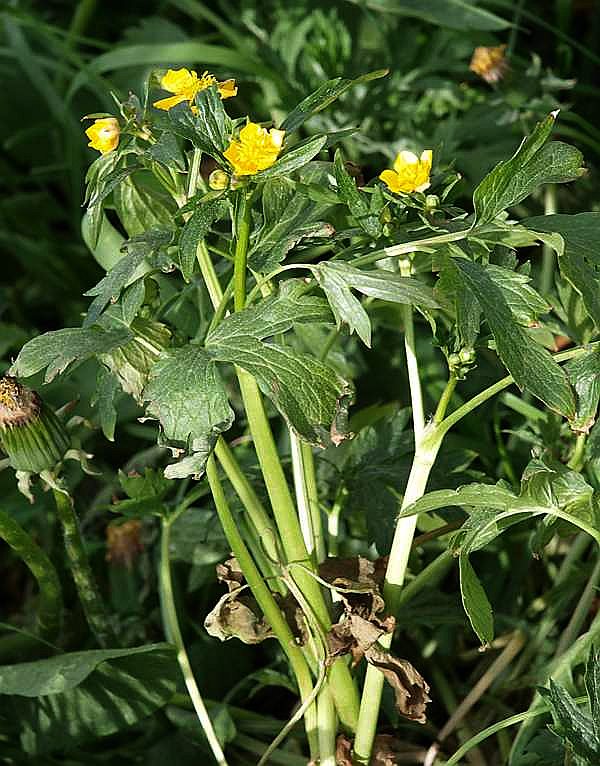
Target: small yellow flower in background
x=104 y=134
x=489 y=63
x=185 y=84
x=410 y=173
x=256 y=149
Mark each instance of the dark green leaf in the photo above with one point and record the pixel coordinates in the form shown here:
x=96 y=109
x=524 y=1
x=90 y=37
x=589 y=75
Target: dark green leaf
x=524 y=302
x=293 y=159
x=345 y=306
x=584 y=374
x=66 y=671
x=592 y=685
x=288 y=217
x=139 y=209
x=109 y=288
x=273 y=315
x=185 y=393
x=310 y=395
x=531 y=366
x=213 y=120
x=580 y=261
x=166 y=151
x=107 y=387
x=575 y=726
x=454 y=14
x=194 y=232
x=534 y=163
x=385 y=285
x=118 y=693
x=325 y=95
x=56 y=350
x=475 y=602
x=357 y=204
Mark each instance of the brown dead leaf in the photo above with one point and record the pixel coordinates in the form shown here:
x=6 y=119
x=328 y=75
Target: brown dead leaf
x=343 y=751
x=410 y=688
x=231 y=574
x=236 y=614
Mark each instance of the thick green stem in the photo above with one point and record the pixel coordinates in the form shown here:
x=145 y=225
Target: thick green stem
x=548 y=257
x=50 y=604
x=578 y=457
x=327 y=727
x=445 y=399
x=341 y=683
x=301 y=492
x=265 y=600
x=427 y=444
x=313 y=500
x=250 y=500
x=91 y=600
x=173 y=633
x=241 y=251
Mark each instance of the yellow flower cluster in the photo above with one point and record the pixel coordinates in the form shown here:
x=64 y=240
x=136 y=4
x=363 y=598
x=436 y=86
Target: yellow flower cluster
x=104 y=134
x=256 y=149
x=410 y=173
x=185 y=84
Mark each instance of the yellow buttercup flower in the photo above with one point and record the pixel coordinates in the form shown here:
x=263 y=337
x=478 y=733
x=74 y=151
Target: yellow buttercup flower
x=185 y=84
x=256 y=150
x=104 y=134
x=410 y=173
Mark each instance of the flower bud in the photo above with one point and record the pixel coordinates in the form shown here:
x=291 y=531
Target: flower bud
x=33 y=438
x=432 y=201
x=466 y=355
x=218 y=180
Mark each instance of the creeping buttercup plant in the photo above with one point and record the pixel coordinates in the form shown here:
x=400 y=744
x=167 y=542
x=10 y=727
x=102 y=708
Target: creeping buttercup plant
x=243 y=265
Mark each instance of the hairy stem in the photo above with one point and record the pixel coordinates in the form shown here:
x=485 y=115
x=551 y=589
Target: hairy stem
x=173 y=633
x=81 y=570
x=50 y=604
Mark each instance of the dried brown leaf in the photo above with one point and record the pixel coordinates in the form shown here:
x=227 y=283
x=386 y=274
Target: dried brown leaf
x=410 y=688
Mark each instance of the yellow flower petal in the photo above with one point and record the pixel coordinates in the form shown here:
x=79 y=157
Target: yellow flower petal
x=185 y=84
x=178 y=80
x=411 y=173
x=227 y=89
x=255 y=150
x=104 y=134
x=170 y=102
x=391 y=180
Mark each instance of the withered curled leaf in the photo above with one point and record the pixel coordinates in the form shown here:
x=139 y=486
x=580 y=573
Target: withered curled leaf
x=410 y=688
x=236 y=615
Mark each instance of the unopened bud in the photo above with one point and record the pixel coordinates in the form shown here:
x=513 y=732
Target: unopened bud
x=33 y=438
x=432 y=201
x=218 y=180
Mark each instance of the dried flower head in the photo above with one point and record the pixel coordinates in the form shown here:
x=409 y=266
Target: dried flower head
x=123 y=542
x=489 y=63
x=32 y=436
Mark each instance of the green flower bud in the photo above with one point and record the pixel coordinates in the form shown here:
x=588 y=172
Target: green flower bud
x=218 y=180
x=33 y=438
x=466 y=355
x=453 y=360
x=432 y=201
